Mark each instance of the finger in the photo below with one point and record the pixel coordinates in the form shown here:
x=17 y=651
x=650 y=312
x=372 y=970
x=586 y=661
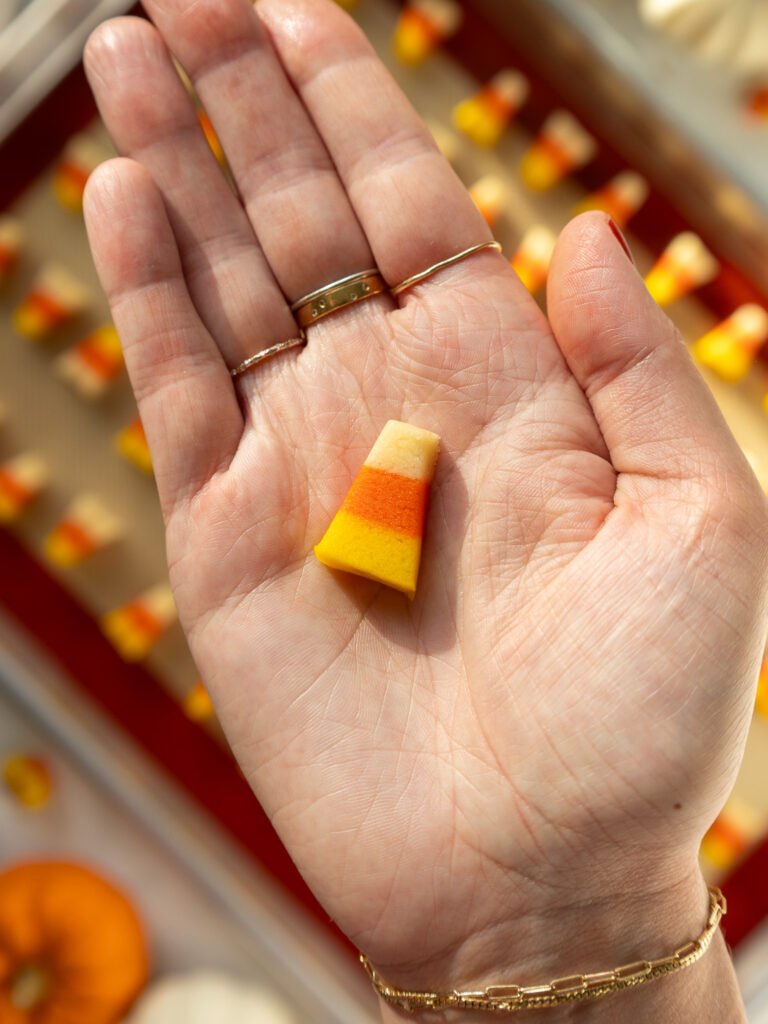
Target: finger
x=657 y=416
x=185 y=394
x=129 y=67
x=290 y=188
x=413 y=208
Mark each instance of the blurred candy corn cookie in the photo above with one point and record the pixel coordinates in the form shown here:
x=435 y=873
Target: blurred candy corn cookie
x=730 y=348
x=685 y=264
x=55 y=298
x=484 y=117
x=533 y=256
x=131 y=442
x=81 y=155
x=423 y=25
x=197 y=704
x=135 y=627
x=87 y=526
x=562 y=146
x=21 y=479
x=490 y=195
x=620 y=198
x=93 y=363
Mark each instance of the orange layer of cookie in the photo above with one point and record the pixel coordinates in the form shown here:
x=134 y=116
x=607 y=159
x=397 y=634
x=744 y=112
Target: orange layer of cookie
x=73 y=538
x=77 y=176
x=412 y=17
x=140 y=619
x=610 y=201
x=99 y=358
x=13 y=489
x=388 y=499
x=495 y=104
x=728 y=832
x=46 y=307
x=562 y=160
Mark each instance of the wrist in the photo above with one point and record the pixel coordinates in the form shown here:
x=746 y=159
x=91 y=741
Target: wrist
x=584 y=936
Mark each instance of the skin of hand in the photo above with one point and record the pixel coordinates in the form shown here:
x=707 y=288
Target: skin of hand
x=536 y=744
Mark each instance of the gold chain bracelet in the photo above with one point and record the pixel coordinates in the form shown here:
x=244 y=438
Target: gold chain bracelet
x=576 y=987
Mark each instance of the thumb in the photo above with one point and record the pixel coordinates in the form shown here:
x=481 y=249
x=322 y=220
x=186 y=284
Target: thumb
x=657 y=416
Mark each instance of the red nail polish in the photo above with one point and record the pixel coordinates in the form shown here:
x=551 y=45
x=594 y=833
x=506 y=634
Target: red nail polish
x=621 y=239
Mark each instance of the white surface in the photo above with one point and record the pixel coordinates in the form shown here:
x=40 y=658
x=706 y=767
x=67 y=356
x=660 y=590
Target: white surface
x=752 y=972
x=200 y=997
x=731 y=32
x=8 y=11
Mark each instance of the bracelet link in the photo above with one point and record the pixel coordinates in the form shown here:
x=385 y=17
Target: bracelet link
x=504 y=992
x=573 y=983
x=537 y=991
x=632 y=972
x=688 y=949
x=572 y=988
x=600 y=979
x=718 y=910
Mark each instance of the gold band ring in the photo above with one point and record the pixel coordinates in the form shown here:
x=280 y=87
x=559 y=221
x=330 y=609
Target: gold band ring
x=336 y=295
x=409 y=282
x=265 y=353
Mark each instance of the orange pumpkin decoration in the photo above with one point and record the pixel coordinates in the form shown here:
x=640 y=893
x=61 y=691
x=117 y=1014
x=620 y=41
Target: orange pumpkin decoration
x=72 y=950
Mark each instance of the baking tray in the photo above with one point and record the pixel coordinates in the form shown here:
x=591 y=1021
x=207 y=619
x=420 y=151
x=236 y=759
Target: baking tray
x=679 y=120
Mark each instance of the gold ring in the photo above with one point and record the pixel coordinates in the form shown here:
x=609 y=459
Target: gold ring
x=332 y=297
x=265 y=353
x=410 y=281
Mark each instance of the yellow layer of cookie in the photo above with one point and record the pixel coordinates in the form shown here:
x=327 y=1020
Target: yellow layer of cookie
x=367 y=549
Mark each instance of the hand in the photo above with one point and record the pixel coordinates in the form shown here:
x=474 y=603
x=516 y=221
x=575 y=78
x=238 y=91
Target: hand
x=545 y=733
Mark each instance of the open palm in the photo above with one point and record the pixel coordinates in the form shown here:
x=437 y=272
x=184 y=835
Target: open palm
x=564 y=702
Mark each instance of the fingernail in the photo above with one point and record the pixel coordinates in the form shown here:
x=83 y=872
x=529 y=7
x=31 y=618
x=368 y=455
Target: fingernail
x=621 y=239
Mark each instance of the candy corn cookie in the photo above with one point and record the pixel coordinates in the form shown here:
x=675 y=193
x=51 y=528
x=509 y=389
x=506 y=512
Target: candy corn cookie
x=92 y=364
x=377 y=531
x=197 y=704
x=485 y=116
x=423 y=25
x=81 y=155
x=131 y=442
x=685 y=264
x=731 y=347
x=135 y=628
x=737 y=827
x=620 y=198
x=532 y=258
x=21 y=479
x=87 y=526
x=55 y=298
x=490 y=195
x=562 y=146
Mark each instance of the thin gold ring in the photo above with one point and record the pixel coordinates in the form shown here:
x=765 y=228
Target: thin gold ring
x=336 y=295
x=265 y=353
x=410 y=281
